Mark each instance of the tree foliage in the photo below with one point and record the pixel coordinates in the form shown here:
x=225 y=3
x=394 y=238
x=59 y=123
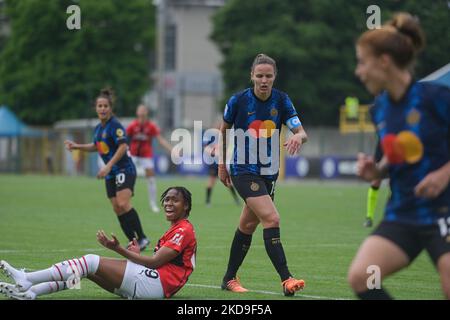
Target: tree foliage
x=48 y=72
x=313 y=44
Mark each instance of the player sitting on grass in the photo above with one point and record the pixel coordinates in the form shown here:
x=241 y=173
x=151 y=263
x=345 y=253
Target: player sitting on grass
x=137 y=277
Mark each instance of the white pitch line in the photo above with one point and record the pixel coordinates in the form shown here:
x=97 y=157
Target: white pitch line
x=317 y=245
x=265 y=292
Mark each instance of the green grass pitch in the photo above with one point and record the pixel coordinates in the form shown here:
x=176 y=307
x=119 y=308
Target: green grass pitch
x=46 y=219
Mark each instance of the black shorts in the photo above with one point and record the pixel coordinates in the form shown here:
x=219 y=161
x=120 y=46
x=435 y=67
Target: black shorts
x=413 y=239
x=213 y=170
x=122 y=181
x=253 y=186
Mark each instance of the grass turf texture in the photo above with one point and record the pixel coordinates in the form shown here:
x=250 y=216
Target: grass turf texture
x=47 y=219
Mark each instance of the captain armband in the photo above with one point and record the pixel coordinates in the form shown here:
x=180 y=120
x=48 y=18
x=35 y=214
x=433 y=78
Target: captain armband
x=293 y=122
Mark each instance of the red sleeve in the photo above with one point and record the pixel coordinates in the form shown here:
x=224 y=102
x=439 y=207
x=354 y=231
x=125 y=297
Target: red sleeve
x=179 y=239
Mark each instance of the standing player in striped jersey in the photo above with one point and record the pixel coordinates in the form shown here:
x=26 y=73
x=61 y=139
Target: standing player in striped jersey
x=141 y=133
x=413 y=124
x=259 y=112
x=119 y=171
x=138 y=277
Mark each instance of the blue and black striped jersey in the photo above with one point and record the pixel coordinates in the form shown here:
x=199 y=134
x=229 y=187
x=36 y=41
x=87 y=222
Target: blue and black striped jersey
x=414 y=133
x=249 y=115
x=107 y=139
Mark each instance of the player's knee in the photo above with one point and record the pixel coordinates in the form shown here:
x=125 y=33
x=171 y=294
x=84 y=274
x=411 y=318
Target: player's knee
x=92 y=262
x=357 y=279
x=248 y=227
x=122 y=206
x=117 y=209
x=272 y=221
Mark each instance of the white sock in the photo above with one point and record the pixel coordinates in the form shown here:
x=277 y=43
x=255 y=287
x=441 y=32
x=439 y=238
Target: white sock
x=151 y=183
x=47 y=288
x=66 y=270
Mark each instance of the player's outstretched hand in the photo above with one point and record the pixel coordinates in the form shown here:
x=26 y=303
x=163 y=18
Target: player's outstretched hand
x=366 y=167
x=70 y=145
x=176 y=154
x=103 y=172
x=134 y=246
x=293 y=144
x=111 y=244
x=432 y=185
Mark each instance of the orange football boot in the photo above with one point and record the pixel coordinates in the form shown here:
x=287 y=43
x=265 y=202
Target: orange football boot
x=291 y=285
x=234 y=285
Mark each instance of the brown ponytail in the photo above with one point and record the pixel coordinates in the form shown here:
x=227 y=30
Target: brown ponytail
x=402 y=38
x=108 y=94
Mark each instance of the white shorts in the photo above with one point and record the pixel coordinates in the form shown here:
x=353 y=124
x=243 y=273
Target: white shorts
x=140 y=282
x=145 y=163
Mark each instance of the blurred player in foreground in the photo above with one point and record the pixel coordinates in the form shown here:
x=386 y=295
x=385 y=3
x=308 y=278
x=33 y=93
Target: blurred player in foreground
x=119 y=171
x=137 y=277
x=259 y=111
x=141 y=133
x=413 y=124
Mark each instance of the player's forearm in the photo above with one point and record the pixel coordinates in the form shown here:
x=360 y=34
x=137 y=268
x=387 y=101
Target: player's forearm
x=382 y=169
x=118 y=155
x=165 y=144
x=89 y=147
x=149 y=262
x=301 y=132
x=445 y=171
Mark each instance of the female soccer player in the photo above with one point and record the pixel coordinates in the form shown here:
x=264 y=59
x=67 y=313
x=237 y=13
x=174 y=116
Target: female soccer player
x=141 y=133
x=413 y=124
x=138 y=277
x=119 y=171
x=258 y=113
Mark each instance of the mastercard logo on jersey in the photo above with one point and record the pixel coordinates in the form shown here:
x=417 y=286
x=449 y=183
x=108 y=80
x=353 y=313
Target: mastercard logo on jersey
x=102 y=147
x=264 y=129
x=402 y=147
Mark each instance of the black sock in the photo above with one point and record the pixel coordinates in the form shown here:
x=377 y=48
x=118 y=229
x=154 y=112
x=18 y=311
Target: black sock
x=275 y=251
x=125 y=223
x=137 y=226
x=131 y=225
x=233 y=192
x=374 y=188
x=239 y=248
x=374 y=294
x=208 y=195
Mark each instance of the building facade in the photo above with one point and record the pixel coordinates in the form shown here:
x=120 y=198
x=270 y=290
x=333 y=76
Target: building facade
x=188 y=81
